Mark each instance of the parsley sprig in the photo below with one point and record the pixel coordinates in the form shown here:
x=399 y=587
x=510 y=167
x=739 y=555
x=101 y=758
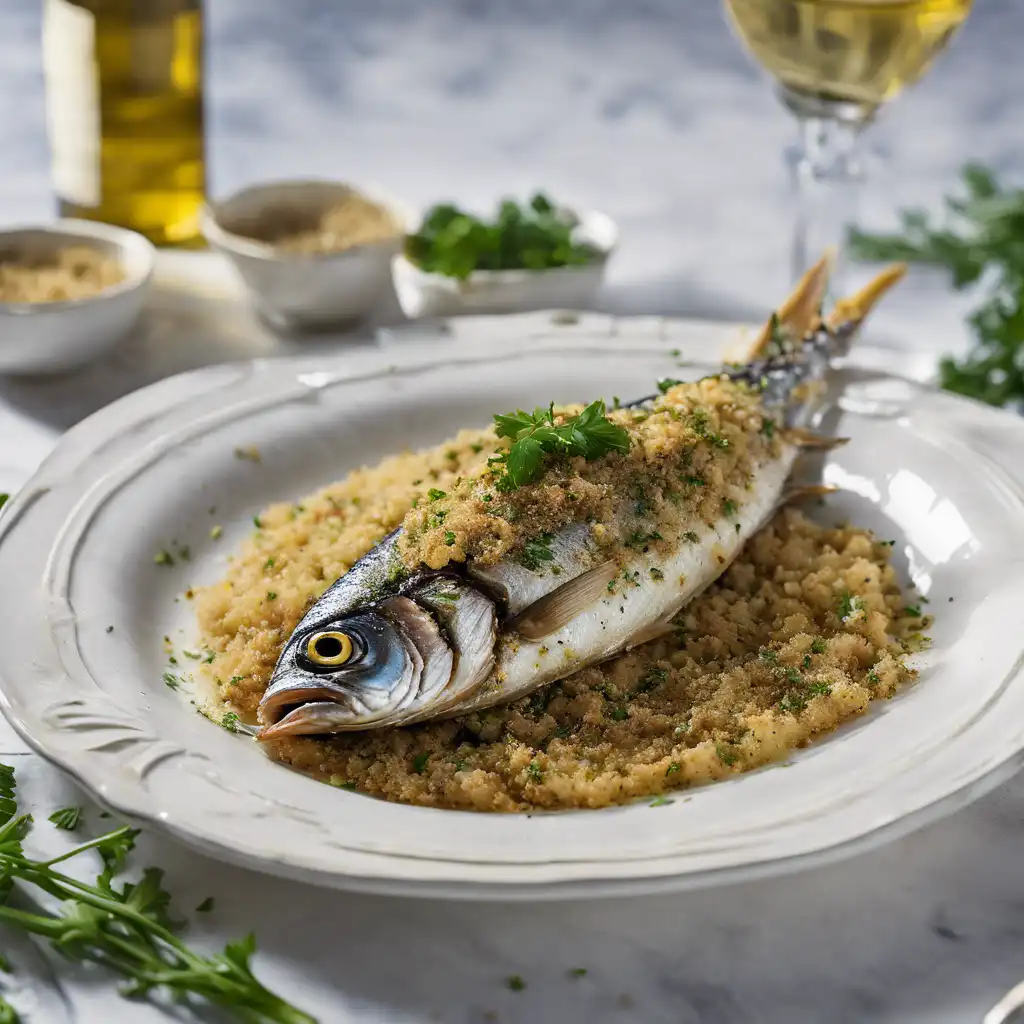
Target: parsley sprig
x=127 y=928
x=982 y=239
x=538 y=435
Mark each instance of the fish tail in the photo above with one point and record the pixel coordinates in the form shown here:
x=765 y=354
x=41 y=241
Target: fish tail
x=790 y=357
x=799 y=314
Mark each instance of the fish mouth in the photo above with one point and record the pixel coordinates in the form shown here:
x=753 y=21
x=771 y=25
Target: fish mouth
x=430 y=648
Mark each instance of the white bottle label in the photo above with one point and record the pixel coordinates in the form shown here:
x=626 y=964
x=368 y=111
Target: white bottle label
x=72 y=101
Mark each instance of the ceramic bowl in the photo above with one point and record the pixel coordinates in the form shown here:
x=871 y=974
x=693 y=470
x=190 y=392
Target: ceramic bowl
x=423 y=294
x=303 y=291
x=51 y=337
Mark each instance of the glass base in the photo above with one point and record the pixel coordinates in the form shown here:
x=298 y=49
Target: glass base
x=808 y=106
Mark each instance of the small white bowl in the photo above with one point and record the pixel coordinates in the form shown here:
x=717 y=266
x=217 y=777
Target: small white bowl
x=296 y=290
x=52 y=337
x=423 y=294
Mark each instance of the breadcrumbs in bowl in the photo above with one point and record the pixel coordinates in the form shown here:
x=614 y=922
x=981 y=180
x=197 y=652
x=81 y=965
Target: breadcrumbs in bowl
x=68 y=292
x=801 y=633
x=75 y=272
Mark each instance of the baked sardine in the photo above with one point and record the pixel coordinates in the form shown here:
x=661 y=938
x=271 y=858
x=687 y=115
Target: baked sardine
x=484 y=595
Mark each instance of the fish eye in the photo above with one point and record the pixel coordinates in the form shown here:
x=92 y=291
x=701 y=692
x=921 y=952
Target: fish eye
x=329 y=648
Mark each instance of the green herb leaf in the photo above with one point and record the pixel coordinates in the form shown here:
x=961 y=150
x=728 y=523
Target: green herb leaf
x=536 y=551
x=980 y=239
x=67 y=818
x=127 y=929
x=534 y=236
x=536 y=436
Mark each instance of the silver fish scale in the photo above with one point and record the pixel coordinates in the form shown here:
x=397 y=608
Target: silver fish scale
x=786 y=367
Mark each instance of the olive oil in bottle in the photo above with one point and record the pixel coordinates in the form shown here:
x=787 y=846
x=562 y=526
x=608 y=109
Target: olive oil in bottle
x=125 y=113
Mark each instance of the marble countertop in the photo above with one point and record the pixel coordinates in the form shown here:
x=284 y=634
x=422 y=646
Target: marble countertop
x=648 y=110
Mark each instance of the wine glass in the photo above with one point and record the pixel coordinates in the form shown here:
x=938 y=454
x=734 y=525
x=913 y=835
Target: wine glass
x=836 y=62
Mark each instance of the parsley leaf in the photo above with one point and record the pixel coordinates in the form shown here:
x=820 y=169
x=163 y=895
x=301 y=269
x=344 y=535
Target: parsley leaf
x=537 y=435
x=981 y=239
x=530 y=236
x=125 y=928
x=67 y=818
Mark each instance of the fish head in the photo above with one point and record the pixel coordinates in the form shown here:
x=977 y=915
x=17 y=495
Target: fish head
x=338 y=672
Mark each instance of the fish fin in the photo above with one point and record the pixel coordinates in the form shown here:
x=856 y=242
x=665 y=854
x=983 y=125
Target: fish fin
x=808 y=439
x=553 y=611
x=851 y=311
x=652 y=632
x=800 y=311
x=806 y=491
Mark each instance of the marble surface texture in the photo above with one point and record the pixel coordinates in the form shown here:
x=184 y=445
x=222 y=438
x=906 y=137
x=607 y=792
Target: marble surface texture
x=646 y=109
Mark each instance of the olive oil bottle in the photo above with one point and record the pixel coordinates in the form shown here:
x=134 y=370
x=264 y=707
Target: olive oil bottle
x=124 y=94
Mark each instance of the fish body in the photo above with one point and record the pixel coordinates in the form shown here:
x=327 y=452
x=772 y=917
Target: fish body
x=391 y=643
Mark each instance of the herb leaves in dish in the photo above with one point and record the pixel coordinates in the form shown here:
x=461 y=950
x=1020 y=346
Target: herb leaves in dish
x=538 y=434
x=982 y=240
x=535 y=236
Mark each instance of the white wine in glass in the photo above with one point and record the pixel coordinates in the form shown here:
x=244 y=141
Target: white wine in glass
x=836 y=62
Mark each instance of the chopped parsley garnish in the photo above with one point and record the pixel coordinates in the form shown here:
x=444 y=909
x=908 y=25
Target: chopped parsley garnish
x=536 y=435
x=818 y=645
x=664 y=383
x=271 y=595
x=691 y=537
x=257 y=522
x=769 y=656
x=434 y=494
x=476 y=448
x=873 y=677
x=449 y=538
x=822 y=689
x=640 y=539
x=768 y=428
x=206 y=906
x=729 y=507
x=534 y=771
x=268 y=564
x=230 y=721
x=216 y=532
x=725 y=755
x=419 y=763
x=67 y=818
x=163 y=558
x=849 y=605
x=660 y=801
x=577 y=972
x=657 y=574
x=694 y=481
x=654 y=677
x=536 y=551
x=673 y=767
x=515 y=983
x=912 y=611
x=777 y=333
x=4 y=498
x=807 y=661
x=171 y=680
x=619 y=714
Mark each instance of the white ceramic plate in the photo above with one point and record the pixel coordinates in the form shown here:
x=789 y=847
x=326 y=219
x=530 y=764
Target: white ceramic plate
x=76 y=556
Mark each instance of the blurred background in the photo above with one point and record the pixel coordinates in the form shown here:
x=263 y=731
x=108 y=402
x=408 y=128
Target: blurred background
x=647 y=109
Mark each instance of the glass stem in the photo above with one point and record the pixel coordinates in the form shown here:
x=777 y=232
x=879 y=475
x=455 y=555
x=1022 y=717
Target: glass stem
x=828 y=176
